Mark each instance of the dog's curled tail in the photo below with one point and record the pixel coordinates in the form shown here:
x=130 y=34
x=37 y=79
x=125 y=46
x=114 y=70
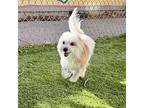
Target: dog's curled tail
x=75 y=23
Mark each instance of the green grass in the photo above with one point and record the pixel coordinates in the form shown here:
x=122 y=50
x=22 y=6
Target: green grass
x=41 y=84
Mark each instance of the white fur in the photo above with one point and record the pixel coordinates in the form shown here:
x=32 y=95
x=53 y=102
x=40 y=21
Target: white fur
x=70 y=68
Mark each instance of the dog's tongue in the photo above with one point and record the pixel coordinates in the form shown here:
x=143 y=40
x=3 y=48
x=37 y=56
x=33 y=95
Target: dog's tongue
x=65 y=54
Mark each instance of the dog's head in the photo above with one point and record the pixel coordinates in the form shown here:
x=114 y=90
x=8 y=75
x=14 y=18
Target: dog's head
x=69 y=45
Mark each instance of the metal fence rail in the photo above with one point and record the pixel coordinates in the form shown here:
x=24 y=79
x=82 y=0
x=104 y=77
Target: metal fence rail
x=43 y=21
x=71 y=2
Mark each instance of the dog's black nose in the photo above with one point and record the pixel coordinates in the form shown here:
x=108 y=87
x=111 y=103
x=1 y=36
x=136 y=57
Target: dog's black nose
x=65 y=49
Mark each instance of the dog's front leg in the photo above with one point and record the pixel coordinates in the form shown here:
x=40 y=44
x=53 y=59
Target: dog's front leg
x=82 y=72
x=66 y=73
x=75 y=76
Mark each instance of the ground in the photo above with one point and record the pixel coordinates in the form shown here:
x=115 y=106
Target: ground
x=41 y=84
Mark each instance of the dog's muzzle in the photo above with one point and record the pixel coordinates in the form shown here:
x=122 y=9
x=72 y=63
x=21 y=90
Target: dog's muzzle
x=66 y=54
x=65 y=50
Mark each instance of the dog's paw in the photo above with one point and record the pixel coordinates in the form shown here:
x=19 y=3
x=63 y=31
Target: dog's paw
x=73 y=79
x=66 y=75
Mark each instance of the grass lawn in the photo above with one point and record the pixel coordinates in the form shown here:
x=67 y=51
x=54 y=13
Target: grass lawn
x=41 y=84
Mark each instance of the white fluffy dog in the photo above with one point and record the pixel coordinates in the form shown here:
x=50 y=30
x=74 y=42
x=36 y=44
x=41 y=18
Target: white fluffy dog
x=75 y=49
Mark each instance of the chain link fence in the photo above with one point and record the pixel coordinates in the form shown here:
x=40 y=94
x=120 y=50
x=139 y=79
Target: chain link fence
x=43 y=21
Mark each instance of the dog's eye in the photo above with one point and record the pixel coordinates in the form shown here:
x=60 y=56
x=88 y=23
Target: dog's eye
x=72 y=43
x=63 y=42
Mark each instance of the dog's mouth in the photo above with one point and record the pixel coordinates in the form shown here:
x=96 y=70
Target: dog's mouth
x=66 y=54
